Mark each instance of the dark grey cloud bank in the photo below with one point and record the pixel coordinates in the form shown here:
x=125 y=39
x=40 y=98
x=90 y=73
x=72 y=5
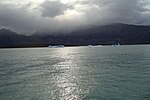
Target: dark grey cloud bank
x=53 y=8
x=56 y=15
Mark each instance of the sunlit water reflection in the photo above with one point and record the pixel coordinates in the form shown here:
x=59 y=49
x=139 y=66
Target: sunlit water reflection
x=75 y=73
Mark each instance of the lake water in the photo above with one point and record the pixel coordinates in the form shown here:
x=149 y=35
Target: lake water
x=75 y=73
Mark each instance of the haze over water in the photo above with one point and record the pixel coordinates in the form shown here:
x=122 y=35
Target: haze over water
x=75 y=73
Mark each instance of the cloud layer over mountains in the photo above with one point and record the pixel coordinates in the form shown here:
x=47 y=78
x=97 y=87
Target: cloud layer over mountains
x=29 y=16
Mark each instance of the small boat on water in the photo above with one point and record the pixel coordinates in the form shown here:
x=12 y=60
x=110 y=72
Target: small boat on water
x=56 y=46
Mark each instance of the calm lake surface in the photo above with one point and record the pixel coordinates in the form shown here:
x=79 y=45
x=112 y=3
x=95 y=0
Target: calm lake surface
x=75 y=73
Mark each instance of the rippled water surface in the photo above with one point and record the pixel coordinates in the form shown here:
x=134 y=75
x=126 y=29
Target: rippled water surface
x=75 y=73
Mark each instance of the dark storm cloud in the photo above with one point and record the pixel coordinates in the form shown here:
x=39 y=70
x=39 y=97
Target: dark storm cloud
x=53 y=8
x=117 y=11
x=23 y=19
x=16 y=17
x=55 y=15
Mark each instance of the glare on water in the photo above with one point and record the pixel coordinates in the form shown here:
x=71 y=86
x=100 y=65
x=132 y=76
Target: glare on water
x=75 y=73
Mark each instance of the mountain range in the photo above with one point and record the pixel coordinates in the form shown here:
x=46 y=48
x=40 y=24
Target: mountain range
x=93 y=35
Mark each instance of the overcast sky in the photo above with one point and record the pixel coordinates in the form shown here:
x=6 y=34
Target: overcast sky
x=27 y=16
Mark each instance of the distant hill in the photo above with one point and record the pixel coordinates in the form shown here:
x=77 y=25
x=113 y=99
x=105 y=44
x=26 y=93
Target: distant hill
x=9 y=38
x=105 y=35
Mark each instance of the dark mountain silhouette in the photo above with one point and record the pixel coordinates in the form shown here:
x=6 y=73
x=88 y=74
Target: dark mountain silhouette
x=12 y=39
x=93 y=35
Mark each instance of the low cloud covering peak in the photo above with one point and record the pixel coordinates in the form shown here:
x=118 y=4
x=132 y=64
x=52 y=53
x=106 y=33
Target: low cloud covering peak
x=30 y=16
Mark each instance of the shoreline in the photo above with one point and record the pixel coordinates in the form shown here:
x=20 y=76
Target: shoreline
x=66 y=46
